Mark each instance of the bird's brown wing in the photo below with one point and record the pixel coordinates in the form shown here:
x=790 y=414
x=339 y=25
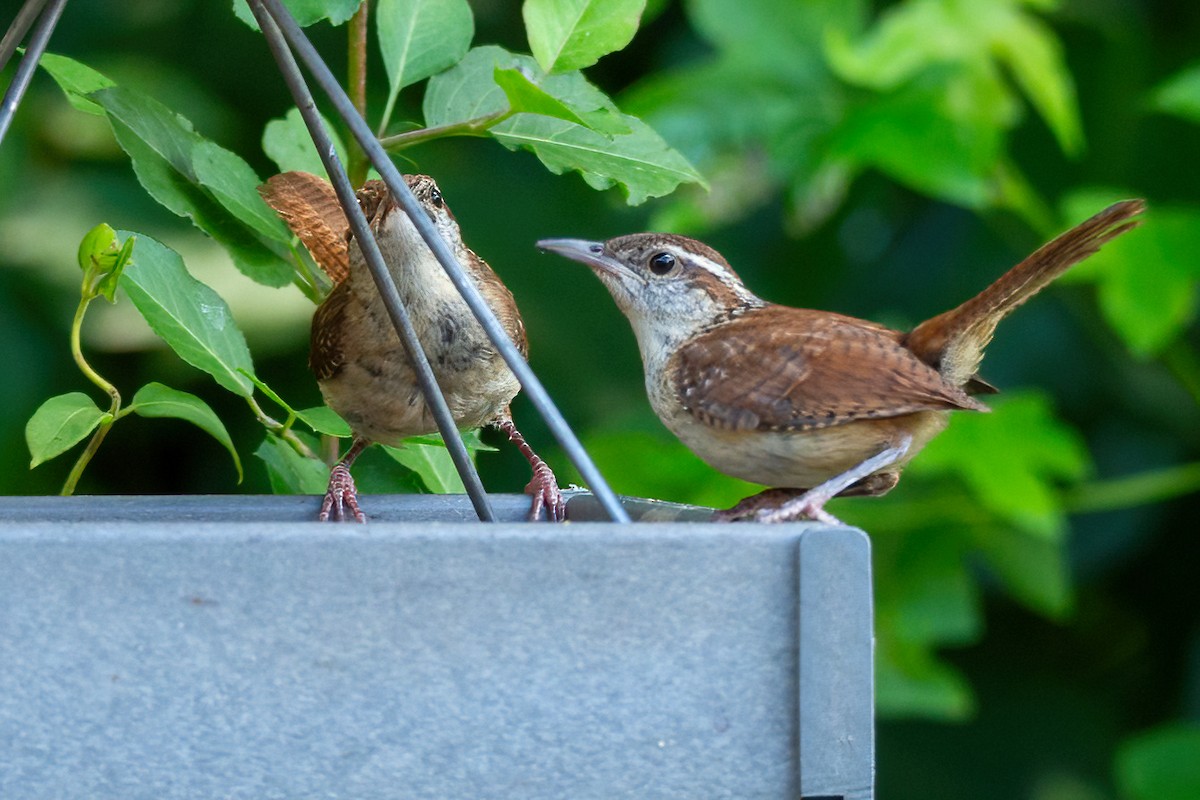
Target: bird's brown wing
x=782 y=368
x=326 y=354
x=309 y=206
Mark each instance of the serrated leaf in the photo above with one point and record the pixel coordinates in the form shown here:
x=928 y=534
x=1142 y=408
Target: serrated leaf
x=160 y=143
x=305 y=12
x=1146 y=280
x=286 y=142
x=468 y=90
x=234 y=184
x=637 y=158
x=156 y=400
x=189 y=316
x=640 y=161
x=77 y=81
x=419 y=38
x=573 y=34
x=1029 y=454
x=288 y=471
x=1161 y=764
x=60 y=423
x=1180 y=94
x=524 y=95
x=324 y=419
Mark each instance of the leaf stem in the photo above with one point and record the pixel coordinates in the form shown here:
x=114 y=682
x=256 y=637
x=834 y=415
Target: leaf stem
x=114 y=408
x=356 y=78
x=281 y=429
x=1133 y=490
x=470 y=127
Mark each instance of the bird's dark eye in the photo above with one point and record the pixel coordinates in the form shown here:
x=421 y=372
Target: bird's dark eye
x=435 y=197
x=662 y=263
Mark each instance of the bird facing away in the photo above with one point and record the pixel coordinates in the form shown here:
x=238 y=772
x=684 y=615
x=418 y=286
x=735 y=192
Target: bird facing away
x=362 y=369
x=812 y=403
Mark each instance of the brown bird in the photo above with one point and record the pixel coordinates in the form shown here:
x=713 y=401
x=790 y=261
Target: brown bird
x=363 y=371
x=813 y=403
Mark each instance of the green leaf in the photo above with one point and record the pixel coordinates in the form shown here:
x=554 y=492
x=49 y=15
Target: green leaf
x=468 y=90
x=637 y=158
x=781 y=34
x=1033 y=569
x=160 y=144
x=306 y=12
x=1180 y=94
x=189 y=316
x=573 y=34
x=60 y=423
x=419 y=38
x=639 y=161
x=1146 y=280
x=910 y=682
x=929 y=595
x=524 y=95
x=290 y=472
x=432 y=463
x=928 y=37
x=1161 y=764
x=234 y=184
x=287 y=143
x=77 y=81
x=324 y=419
x=157 y=400
x=165 y=132
x=1029 y=453
x=1030 y=49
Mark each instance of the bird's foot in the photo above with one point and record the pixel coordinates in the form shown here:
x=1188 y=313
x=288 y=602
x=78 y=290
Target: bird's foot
x=748 y=508
x=865 y=478
x=340 y=496
x=543 y=487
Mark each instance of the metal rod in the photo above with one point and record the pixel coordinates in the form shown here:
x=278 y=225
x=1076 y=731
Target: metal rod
x=391 y=176
x=33 y=53
x=16 y=31
x=379 y=271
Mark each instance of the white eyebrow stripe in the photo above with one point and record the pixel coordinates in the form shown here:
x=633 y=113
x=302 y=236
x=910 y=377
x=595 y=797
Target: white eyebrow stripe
x=727 y=279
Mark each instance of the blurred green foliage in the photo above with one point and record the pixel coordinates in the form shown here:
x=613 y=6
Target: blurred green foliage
x=1034 y=569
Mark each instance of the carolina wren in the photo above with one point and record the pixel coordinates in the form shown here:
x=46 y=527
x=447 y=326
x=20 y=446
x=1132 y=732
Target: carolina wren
x=362 y=369
x=812 y=402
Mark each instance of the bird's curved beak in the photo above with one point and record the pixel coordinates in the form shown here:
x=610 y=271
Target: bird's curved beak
x=585 y=252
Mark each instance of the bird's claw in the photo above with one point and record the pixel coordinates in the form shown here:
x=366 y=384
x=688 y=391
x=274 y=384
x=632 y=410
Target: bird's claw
x=340 y=496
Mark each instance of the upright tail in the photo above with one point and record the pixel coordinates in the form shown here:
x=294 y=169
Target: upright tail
x=953 y=342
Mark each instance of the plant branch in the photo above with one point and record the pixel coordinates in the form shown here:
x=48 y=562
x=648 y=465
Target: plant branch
x=357 y=89
x=114 y=407
x=1133 y=490
x=471 y=127
x=281 y=429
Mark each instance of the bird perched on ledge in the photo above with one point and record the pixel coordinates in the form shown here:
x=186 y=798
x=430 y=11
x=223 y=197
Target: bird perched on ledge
x=363 y=371
x=813 y=403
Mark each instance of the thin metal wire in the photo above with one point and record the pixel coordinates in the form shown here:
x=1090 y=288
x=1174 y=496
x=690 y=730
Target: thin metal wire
x=33 y=53
x=16 y=31
x=400 y=191
x=379 y=271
